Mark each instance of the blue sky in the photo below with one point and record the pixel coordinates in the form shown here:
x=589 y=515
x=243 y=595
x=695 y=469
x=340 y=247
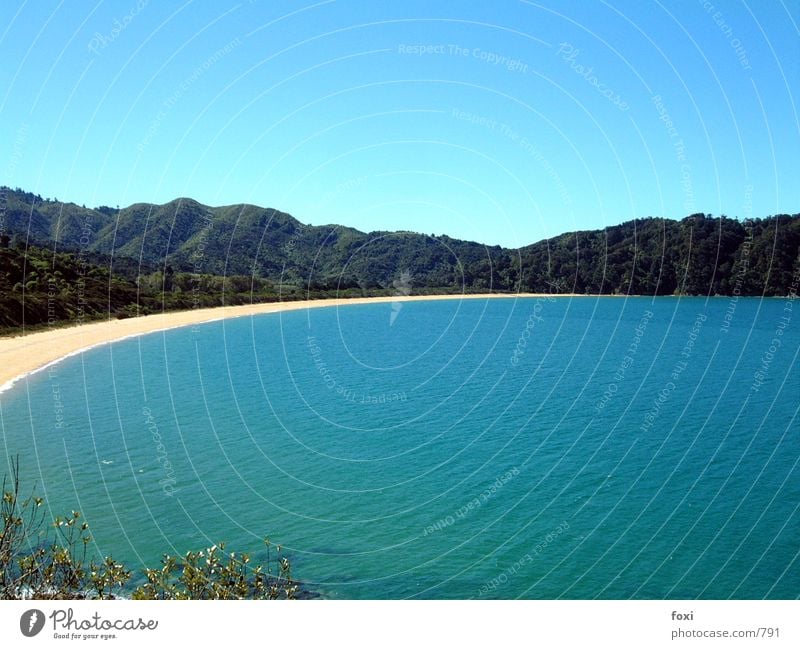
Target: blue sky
x=503 y=122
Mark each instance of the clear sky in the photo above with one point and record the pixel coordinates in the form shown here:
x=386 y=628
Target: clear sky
x=503 y=122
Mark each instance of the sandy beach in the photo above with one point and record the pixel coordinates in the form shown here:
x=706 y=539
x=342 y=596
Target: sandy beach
x=23 y=354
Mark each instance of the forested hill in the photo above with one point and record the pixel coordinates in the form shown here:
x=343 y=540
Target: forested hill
x=698 y=255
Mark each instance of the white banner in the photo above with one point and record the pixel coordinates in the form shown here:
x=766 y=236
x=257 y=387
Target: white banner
x=637 y=624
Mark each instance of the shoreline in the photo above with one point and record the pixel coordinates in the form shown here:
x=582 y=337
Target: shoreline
x=26 y=354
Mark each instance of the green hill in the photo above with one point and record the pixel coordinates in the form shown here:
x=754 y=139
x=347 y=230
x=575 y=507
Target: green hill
x=183 y=254
x=695 y=256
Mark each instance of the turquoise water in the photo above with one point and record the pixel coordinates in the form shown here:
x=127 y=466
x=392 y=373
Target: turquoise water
x=520 y=448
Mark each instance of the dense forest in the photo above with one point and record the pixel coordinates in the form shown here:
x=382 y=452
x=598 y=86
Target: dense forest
x=38 y=286
x=62 y=262
x=41 y=288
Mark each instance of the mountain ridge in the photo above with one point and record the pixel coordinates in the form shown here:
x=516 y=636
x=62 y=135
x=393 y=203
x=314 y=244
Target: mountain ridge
x=697 y=255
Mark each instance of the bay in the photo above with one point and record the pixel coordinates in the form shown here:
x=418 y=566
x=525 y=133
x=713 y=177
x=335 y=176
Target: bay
x=484 y=448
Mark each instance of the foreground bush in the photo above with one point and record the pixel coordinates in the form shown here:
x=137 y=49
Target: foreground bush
x=209 y=575
x=39 y=561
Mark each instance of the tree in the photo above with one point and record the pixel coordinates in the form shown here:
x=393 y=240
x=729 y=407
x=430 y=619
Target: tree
x=42 y=562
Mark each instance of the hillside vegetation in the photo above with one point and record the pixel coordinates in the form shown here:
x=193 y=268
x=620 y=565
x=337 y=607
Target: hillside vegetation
x=62 y=262
x=40 y=559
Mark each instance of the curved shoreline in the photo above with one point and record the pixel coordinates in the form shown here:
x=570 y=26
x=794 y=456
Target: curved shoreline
x=26 y=354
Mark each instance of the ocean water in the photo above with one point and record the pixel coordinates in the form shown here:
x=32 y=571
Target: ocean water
x=519 y=448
